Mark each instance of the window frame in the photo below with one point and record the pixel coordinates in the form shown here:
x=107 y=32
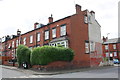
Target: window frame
x=114 y=46
x=17 y=43
x=63 y=30
x=87 y=47
x=13 y=44
x=31 y=39
x=38 y=37
x=106 y=47
x=115 y=53
x=86 y=19
x=54 y=32
x=47 y=34
x=107 y=54
x=24 y=41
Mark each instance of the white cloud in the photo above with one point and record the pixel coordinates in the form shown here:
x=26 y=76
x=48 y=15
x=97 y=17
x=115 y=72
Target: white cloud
x=23 y=13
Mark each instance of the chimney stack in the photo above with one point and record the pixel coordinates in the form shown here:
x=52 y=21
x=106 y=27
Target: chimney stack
x=35 y=25
x=50 y=19
x=18 y=32
x=104 y=39
x=78 y=8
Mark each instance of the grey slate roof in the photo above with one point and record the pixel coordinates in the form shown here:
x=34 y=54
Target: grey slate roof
x=114 y=40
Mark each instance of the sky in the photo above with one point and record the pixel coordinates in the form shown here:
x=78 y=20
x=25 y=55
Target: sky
x=22 y=14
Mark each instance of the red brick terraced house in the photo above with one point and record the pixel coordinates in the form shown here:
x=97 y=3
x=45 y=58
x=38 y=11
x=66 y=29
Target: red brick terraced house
x=79 y=31
x=111 y=48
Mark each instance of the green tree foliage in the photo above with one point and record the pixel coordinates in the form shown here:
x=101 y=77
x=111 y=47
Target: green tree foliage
x=23 y=54
x=46 y=54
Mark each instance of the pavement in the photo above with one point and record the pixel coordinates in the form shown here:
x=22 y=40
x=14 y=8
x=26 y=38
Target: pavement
x=38 y=72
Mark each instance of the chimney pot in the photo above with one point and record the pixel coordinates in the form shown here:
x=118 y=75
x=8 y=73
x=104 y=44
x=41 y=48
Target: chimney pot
x=35 y=25
x=18 y=32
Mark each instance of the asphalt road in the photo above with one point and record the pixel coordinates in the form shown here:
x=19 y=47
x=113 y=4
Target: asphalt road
x=111 y=72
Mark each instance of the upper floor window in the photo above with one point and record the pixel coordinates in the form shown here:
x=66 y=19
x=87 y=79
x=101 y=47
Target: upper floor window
x=85 y=19
x=46 y=35
x=38 y=36
x=63 y=30
x=106 y=47
x=54 y=33
x=16 y=43
x=9 y=46
x=31 y=39
x=12 y=44
x=24 y=41
x=114 y=46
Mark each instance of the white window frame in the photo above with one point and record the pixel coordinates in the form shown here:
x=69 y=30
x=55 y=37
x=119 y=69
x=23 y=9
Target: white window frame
x=46 y=35
x=31 y=39
x=107 y=54
x=65 y=43
x=12 y=44
x=115 y=54
x=63 y=30
x=86 y=19
x=106 y=47
x=111 y=54
x=54 y=33
x=38 y=37
x=114 y=46
x=9 y=46
x=17 y=43
x=86 y=47
x=24 y=40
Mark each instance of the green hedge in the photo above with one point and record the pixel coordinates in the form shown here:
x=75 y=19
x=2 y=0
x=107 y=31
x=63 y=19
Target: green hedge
x=23 y=54
x=46 y=54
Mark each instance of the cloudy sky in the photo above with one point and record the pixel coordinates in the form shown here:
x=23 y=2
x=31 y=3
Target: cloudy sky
x=22 y=14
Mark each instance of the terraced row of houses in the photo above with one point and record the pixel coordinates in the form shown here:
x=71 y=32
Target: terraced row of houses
x=80 y=32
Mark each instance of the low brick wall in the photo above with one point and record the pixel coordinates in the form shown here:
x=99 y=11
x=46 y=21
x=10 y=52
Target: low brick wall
x=57 y=65
x=9 y=64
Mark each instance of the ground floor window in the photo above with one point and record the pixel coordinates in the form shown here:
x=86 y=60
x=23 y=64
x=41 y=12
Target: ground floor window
x=107 y=54
x=115 y=54
x=62 y=43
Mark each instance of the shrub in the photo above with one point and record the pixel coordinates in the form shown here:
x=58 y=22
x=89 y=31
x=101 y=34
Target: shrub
x=46 y=54
x=23 y=54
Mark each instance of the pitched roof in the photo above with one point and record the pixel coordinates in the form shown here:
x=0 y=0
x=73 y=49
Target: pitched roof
x=114 y=40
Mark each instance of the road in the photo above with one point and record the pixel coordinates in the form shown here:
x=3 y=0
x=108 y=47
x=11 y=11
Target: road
x=111 y=72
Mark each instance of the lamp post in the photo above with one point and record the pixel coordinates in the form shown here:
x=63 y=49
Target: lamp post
x=19 y=34
x=108 y=49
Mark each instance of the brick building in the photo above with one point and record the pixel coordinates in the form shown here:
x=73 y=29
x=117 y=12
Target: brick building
x=111 y=48
x=79 y=31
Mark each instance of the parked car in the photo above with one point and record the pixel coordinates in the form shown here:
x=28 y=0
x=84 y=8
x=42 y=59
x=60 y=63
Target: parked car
x=116 y=61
